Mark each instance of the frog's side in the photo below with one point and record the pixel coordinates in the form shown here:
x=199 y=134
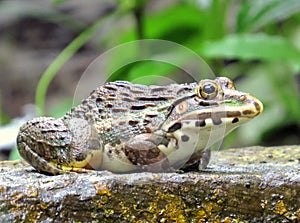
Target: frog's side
x=125 y=127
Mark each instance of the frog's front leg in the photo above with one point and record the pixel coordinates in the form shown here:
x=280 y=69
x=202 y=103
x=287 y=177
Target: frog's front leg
x=143 y=152
x=198 y=161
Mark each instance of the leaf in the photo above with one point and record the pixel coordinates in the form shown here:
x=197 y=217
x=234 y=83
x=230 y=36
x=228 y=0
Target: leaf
x=251 y=47
x=159 y=24
x=256 y=14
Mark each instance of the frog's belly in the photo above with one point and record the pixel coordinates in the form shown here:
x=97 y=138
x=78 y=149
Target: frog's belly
x=182 y=145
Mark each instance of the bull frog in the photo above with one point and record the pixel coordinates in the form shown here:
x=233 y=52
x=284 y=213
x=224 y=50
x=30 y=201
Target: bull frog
x=124 y=127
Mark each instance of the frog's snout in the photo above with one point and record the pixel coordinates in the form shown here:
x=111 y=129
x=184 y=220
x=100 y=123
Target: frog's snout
x=257 y=105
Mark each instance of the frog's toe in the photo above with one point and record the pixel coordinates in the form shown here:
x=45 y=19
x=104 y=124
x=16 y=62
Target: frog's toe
x=198 y=161
x=204 y=160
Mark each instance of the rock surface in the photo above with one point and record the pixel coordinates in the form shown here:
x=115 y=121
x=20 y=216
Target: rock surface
x=254 y=184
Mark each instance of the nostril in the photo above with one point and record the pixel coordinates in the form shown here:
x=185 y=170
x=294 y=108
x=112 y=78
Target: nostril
x=243 y=97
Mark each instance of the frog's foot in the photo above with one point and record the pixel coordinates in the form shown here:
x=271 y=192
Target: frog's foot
x=198 y=161
x=204 y=160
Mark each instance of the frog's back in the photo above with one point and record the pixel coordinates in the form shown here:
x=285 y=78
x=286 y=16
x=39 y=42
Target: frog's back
x=122 y=97
x=125 y=109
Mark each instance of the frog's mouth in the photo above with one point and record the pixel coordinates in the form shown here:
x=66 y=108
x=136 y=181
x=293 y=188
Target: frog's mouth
x=249 y=108
x=228 y=112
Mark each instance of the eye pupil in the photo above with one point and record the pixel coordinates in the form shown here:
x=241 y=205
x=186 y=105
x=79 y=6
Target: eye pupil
x=209 y=89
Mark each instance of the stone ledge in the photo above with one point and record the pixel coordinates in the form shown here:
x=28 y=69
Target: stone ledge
x=254 y=184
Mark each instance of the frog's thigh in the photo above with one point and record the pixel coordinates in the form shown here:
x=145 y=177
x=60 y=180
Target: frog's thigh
x=37 y=161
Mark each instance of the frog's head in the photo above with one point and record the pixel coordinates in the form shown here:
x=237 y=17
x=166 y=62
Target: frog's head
x=54 y=145
x=212 y=111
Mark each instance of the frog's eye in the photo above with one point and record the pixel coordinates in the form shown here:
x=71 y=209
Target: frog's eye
x=208 y=90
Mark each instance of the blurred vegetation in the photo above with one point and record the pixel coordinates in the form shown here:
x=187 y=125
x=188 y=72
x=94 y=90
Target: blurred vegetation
x=254 y=43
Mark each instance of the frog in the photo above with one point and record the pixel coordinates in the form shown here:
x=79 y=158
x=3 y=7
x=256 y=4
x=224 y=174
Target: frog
x=124 y=127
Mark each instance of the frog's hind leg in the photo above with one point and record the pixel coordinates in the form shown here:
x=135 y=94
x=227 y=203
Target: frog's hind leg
x=37 y=161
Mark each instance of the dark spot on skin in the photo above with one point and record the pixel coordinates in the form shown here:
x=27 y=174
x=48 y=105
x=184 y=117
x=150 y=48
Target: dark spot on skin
x=257 y=106
x=138 y=107
x=185 y=138
x=200 y=123
x=146 y=120
x=235 y=120
x=152 y=98
x=108 y=105
x=100 y=110
x=98 y=100
x=151 y=115
x=122 y=84
x=48 y=131
x=133 y=122
x=233 y=113
x=204 y=103
x=247 y=112
x=175 y=127
x=110 y=87
x=217 y=121
x=142 y=106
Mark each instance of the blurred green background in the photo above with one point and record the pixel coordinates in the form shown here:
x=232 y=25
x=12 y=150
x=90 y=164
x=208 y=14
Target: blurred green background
x=45 y=45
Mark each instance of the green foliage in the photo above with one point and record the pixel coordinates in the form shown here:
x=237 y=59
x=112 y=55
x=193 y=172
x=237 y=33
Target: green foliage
x=60 y=60
x=14 y=155
x=262 y=39
x=4 y=119
x=252 y=47
x=254 y=15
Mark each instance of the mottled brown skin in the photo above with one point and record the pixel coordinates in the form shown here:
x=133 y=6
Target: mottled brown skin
x=126 y=127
